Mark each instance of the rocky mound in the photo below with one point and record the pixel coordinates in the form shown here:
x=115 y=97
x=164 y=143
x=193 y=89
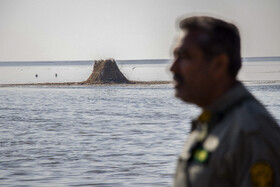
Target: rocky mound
x=106 y=72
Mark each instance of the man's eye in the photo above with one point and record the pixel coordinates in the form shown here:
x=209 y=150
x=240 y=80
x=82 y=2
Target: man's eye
x=186 y=57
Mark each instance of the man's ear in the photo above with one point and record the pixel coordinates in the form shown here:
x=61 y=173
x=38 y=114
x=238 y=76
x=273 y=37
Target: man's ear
x=220 y=65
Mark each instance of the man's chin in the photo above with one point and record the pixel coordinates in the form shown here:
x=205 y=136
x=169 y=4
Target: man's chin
x=179 y=94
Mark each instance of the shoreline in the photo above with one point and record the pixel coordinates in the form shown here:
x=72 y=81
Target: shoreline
x=260 y=82
x=87 y=84
x=257 y=82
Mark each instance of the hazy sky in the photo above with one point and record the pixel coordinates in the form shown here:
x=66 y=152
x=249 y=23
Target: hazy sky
x=124 y=29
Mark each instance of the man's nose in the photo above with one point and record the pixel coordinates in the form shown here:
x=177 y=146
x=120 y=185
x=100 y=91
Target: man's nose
x=173 y=67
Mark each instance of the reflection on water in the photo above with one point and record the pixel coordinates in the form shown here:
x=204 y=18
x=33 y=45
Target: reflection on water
x=96 y=136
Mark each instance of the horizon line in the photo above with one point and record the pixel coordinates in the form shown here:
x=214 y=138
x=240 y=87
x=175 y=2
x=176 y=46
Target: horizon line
x=165 y=59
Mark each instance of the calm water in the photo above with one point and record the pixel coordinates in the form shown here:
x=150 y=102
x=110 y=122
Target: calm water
x=97 y=136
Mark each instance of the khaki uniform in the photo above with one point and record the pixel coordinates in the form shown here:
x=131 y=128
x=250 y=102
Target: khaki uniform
x=235 y=143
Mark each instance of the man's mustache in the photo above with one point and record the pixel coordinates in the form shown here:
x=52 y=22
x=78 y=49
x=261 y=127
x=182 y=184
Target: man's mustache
x=178 y=78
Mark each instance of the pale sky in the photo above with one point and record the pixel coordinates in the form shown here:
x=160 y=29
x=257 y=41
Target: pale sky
x=33 y=30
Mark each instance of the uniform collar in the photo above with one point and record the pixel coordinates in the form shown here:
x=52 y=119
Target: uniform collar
x=237 y=93
x=232 y=97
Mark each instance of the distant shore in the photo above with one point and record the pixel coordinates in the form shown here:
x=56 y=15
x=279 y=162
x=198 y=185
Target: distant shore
x=86 y=84
x=129 y=84
x=49 y=72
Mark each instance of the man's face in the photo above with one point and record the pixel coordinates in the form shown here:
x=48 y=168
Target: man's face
x=192 y=73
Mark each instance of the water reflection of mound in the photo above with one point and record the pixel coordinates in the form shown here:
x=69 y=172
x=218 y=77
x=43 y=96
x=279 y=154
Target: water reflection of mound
x=106 y=72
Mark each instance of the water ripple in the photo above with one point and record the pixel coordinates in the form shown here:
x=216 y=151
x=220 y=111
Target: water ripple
x=103 y=136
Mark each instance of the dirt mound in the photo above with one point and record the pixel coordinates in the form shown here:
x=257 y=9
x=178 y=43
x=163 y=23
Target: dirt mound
x=106 y=72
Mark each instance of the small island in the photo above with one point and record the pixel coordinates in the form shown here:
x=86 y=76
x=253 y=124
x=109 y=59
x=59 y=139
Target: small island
x=105 y=72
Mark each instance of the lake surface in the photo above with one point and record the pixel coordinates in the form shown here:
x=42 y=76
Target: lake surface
x=106 y=136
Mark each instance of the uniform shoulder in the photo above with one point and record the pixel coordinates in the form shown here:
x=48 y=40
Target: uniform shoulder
x=251 y=116
x=252 y=127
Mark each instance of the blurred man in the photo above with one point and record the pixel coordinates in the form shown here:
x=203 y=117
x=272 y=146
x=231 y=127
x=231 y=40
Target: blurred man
x=235 y=141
